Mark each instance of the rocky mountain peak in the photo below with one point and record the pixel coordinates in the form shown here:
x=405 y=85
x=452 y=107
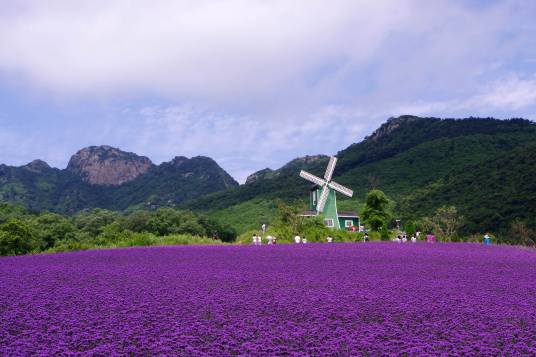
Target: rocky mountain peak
x=259 y=175
x=37 y=166
x=179 y=160
x=304 y=161
x=106 y=165
x=392 y=125
x=290 y=168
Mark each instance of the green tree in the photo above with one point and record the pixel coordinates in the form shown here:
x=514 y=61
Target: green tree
x=314 y=229
x=384 y=232
x=410 y=228
x=93 y=222
x=137 y=221
x=218 y=230
x=520 y=233
x=445 y=222
x=375 y=210
x=164 y=221
x=189 y=224
x=8 y=210
x=16 y=238
x=289 y=223
x=52 y=227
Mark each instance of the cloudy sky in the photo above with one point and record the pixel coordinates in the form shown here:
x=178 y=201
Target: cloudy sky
x=251 y=83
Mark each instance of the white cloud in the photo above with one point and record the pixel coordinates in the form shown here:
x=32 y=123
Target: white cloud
x=18 y=149
x=507 y=95
x=267 y=81
x=184 y=47
x=510 y=93
x=189 y=130
x=243 y=50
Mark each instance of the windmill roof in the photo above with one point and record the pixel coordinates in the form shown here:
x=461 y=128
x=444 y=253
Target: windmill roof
x=346 y=214
x=349 y=214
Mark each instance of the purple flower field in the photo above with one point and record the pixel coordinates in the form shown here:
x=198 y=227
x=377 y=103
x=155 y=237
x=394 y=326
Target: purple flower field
x=316 y=299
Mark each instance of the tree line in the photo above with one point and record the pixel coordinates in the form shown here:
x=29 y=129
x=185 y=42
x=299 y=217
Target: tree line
x=445 y=222
x=24 y=232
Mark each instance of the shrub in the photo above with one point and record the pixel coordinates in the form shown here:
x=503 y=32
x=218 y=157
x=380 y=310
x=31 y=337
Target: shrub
x=384 y=232
x=51 y=227
x=375 y=210
x=16 y=237
x=93 y=222
x=410 y=228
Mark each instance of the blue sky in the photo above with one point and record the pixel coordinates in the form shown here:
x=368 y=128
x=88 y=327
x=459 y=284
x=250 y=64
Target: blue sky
x=253 y=83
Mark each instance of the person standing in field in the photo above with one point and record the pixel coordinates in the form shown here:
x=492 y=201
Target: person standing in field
x=329 y=239
x=304 y=240
x=430 y=238
x=413 y=239
x=263 y=228
x=487 y=239
x=254 y=238
x=270 y=239
x=297 y=239
x=365 y=238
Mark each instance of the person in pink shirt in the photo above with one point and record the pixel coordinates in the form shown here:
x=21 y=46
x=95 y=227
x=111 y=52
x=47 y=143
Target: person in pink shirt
x=430 y=238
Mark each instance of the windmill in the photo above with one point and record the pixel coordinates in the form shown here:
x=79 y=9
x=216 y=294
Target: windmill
x=324 y=200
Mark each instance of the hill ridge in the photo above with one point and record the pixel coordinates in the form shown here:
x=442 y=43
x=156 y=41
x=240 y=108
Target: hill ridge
x=107 y=177
x=401 y=156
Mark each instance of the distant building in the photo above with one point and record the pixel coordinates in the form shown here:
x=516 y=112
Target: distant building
x=323 y=200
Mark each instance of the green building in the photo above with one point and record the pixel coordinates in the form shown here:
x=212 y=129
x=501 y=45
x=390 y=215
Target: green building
x=323 y=200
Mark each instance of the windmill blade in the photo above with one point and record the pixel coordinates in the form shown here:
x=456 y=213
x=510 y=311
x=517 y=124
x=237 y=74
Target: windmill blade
x=340 y=188
x=312 y=178
x=330 y=168
x=323 y=198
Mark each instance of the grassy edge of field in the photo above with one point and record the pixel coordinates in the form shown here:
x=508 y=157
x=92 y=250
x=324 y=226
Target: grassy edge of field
x=243 y=240
x=134 y=240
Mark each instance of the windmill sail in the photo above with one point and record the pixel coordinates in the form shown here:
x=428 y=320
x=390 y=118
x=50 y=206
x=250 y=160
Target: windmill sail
x=312 y=178
x=323 y=198
x=340 y=188
x=330 y=168
x=326 y=184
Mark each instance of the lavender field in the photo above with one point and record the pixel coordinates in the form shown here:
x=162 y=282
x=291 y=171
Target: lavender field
x=345 y=299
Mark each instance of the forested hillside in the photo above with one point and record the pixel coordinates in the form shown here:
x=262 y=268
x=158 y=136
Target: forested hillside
x=123 y=185
x=24 y=232
x=491 y=194
x=482 y=166
x=405 y=156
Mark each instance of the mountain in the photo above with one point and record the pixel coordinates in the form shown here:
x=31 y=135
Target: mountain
x=106 y=177
x=254 y=203
x=409 y=152
x=403 y=157
x=105 y=165
x=490 y=194
x=37 y=166
x=483 y=166
x=171 y=183
x=39 y=187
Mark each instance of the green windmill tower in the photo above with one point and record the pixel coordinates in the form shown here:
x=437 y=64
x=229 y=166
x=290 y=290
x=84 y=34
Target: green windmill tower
x=324 y=201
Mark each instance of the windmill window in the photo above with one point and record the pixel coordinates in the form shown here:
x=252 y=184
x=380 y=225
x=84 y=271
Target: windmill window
x=329 y=222
x=348 y=223
x=314 y=197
